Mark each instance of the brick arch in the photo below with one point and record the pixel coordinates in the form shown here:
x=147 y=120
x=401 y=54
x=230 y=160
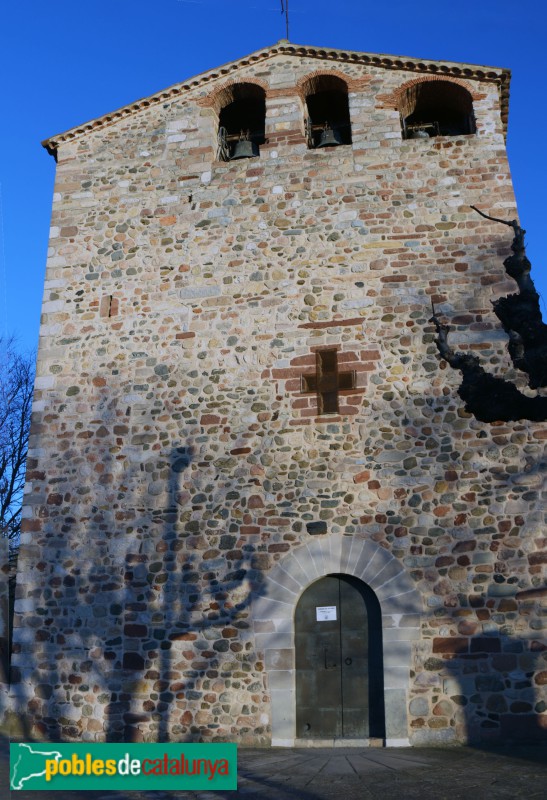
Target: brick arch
x=394 y=98
x=273 y=622
x=352 y=84
x=222 y=95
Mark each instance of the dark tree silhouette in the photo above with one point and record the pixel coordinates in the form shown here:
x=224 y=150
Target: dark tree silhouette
x=16 y=387
x=490 y=398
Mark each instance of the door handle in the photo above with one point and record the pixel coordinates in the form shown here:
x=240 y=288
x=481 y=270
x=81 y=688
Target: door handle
x=348 y=661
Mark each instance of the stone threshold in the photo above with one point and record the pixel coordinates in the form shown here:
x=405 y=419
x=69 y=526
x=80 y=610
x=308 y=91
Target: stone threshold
x=339 y=743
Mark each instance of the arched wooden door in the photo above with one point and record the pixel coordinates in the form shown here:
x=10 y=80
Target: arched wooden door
x=339 y=673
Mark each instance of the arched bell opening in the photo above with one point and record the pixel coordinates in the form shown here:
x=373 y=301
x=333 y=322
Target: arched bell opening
x=327 y=112
x=436 y=108
x=242 y=120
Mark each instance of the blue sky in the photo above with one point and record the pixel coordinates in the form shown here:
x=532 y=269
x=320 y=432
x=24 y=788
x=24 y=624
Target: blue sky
x=67 y=62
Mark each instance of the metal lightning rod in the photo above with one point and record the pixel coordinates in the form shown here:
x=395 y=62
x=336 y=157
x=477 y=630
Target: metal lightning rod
x=285 y=10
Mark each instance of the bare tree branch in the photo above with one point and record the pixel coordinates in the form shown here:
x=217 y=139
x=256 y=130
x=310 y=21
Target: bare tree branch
x=512 y=223
x=16 y=385
x=490 y=398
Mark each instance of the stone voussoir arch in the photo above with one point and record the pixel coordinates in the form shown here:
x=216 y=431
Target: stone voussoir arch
x=395 y=98
x=224 y=94
x=273 y=623
x=307 y=82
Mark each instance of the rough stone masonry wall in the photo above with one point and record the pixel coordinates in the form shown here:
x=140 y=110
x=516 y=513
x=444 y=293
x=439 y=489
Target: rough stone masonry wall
x=174 y=462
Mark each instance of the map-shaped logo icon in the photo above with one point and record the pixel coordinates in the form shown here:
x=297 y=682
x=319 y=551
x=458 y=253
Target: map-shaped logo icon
x=28 y=761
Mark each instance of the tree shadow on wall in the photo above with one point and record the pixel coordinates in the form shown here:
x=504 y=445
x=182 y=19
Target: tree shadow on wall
x=187 y=623
x=470 y=523
x=157 y=592
x=142 y=600
x=495 y=682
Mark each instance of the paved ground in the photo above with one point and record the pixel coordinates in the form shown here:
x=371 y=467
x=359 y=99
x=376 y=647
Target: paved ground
x=518 y=773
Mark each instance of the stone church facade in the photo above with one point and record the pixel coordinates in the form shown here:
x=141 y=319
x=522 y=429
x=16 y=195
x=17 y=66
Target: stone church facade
x=256 y=510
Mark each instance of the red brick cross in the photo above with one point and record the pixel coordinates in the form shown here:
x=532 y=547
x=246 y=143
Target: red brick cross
x=327 y=381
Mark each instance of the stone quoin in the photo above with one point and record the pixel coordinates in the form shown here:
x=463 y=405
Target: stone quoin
x=238 y=395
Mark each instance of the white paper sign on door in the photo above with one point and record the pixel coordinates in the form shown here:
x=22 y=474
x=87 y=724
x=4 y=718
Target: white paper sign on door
x=325 y=613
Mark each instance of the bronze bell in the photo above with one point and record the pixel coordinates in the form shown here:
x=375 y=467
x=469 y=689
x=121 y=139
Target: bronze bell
x=244 y=148
x=419 y=133
x=330 y=137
